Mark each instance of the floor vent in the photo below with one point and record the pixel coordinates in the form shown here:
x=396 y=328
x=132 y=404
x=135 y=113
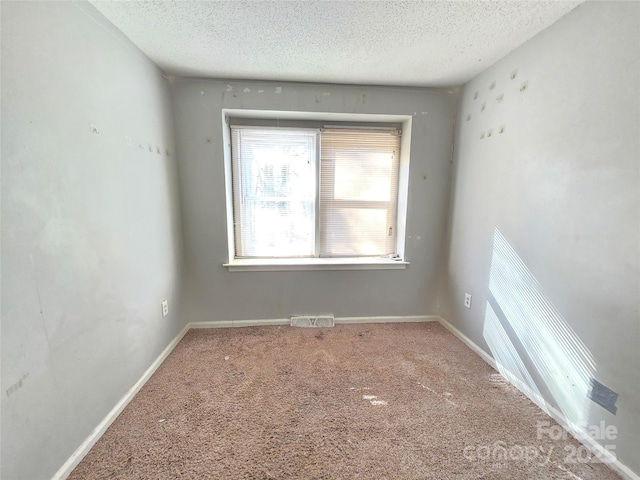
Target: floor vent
x=312 y=321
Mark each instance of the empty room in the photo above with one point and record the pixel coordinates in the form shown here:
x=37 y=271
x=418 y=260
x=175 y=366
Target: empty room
x=273 y=239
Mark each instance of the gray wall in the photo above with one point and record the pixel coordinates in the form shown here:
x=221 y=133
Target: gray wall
x=561 y=184
x=91 y=239
x=212 y=293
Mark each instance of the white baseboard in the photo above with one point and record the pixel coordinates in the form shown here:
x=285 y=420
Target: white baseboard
x=462 y=337
x=405 y=319
x=575 y=431
x=338 y=320
x=241 y=323
x=73 y=461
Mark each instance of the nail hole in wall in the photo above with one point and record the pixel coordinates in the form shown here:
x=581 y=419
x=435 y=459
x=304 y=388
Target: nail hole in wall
x=468 y=117
x=475 y=96
x=492 y=85
x=481 y=135
x=500 y=97
x=489 y=132
x=501 y=129
x=482 y=107
x=524 y=86
x=514 y=74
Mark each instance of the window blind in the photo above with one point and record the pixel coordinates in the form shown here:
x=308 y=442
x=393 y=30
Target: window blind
x=274 y=191
x=358 y=192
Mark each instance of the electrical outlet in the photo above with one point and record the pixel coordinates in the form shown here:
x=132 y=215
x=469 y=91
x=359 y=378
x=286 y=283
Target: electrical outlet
x=467 y=300
x=165 y=308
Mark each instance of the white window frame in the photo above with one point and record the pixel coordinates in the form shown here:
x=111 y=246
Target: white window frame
x=347 y=263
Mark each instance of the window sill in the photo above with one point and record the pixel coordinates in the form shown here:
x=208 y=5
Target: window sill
x=288 y=264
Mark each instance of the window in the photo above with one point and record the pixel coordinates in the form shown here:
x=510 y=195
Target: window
x=274 y=192
x=310 y=194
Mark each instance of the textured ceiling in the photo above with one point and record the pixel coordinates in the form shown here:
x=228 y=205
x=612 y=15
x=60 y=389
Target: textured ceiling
x=418 y=43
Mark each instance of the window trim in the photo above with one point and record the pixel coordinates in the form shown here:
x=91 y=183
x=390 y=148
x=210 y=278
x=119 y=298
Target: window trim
x=348 y=263
x=302 y=263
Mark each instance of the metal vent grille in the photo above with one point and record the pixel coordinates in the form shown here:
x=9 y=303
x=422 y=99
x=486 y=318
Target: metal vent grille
x=312 y=321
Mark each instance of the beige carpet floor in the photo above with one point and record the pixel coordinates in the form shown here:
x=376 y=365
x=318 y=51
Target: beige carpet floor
x=396 y=401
